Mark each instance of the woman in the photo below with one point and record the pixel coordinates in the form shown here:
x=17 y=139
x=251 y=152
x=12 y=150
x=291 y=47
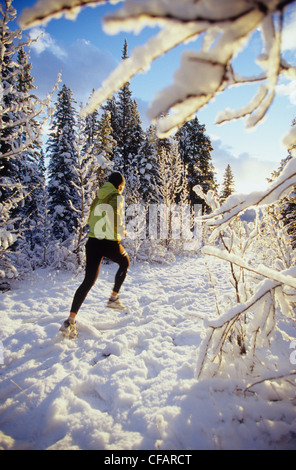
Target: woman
x=106 y=232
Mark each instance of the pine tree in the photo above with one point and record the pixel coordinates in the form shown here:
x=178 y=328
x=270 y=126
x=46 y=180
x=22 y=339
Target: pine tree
x=147 y=165
x=10 y=136
x=41 y=230
x=129 y=131
x=106 y=145
x=29 y=174
x=163 y=143
x=111 y=107
x=18 y=132
x=63 y=160
x=91 y=128
x=124 y=110
x=228 y=186
x=195 y=149
x=125 y=124
x=86 y=170
x=92 y=132
x=137 y=135
x=25 y=81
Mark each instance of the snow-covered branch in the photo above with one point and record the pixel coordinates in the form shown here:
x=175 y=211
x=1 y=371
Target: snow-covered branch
x=242 y=327
x=44 y=10
x=238 y=203
x=140 y=60
x=261 y=304
x=204 y=74
x=201 y=74
x=287 y=277
x=224 y=27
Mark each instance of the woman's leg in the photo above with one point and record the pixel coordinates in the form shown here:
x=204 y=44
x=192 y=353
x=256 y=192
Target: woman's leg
x=120 y=276
x=92 y=269
x=116 y=253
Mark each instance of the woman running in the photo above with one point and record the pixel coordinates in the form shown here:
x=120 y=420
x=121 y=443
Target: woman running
x=106 y=231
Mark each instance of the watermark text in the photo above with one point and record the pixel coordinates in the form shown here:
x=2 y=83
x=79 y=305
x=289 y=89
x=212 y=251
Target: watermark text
x=151 y=222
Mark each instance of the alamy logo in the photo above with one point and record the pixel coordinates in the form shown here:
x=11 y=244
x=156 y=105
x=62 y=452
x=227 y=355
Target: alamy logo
x=152 y=222
x=1 y=354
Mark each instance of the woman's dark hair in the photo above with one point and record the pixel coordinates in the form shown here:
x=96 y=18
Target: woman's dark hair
x=116 y=179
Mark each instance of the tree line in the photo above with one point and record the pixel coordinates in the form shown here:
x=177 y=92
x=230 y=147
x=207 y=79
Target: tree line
x=46 y=190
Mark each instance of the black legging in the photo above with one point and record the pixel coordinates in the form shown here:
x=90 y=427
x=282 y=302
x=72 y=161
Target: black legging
x=96 y=250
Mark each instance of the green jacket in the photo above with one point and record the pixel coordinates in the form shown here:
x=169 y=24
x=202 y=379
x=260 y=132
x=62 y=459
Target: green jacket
x=106 y=214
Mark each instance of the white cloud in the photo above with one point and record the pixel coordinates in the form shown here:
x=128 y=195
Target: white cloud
x=288 y=89
x=83 y=65
x=289 y=33
x=44 y=41
x=250 y=172
x=285 y=88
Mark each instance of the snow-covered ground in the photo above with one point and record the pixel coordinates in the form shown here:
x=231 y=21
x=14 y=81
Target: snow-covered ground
x=129 y=380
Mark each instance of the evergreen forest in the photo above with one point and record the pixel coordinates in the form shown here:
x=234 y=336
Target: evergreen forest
x=48 y=182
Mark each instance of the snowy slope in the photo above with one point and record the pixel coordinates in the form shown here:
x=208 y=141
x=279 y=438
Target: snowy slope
x=128 y=380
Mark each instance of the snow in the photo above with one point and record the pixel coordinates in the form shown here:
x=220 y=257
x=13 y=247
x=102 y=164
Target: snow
x=128 y=382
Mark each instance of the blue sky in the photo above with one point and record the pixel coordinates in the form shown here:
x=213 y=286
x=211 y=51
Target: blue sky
x=86 y=55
